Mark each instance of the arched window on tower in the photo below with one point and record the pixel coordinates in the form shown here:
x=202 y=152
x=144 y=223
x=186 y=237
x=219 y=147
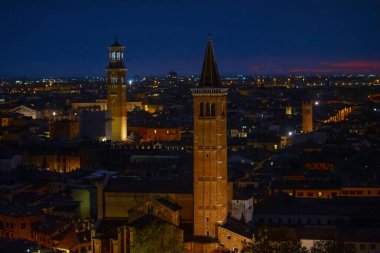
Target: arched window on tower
x=213 y=109
x=201 y=109
x=222 y=110
x=208 y=109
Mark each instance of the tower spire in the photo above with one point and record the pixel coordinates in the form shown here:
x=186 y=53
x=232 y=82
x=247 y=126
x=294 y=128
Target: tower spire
x=209 y=77
x=116 y=43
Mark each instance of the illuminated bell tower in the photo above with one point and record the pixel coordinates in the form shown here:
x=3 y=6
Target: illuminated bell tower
x=117 y=92
x=307 y=116
x=210 y=149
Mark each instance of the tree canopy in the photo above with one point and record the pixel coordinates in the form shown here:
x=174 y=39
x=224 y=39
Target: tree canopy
x=159 y=237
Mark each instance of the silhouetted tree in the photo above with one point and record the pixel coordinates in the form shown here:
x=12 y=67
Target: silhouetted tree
x=265 y=244
x=330 y=246
x=159 y=237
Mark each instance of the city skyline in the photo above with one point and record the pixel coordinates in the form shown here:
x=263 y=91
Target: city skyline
x=69 y=38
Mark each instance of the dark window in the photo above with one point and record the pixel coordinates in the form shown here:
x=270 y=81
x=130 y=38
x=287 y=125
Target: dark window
x=23 y=226
x=362 y=246
x=310 y=194
x=7 y=224
x=207 y=109
x=372 y=246
x=201 y=109
x=1 y=225
x=208 y=233
x=228 y=237
x=212 y=109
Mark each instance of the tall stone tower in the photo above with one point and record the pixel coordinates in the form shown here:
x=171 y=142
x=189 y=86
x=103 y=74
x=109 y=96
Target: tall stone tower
x=210 y=149
x=117 y=92
x=307 y=116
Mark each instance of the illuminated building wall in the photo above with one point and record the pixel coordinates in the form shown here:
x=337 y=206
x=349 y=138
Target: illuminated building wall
x=54 y=162
x=331 y=192
x=340 y=115
x=17 y=226
x=157 y=134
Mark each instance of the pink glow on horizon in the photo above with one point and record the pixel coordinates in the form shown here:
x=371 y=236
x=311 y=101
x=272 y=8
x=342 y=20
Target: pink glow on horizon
x=356 y=66
x=350 y=66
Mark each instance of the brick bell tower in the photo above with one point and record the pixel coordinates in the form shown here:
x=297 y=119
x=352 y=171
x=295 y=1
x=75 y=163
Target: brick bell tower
x=210 y=149
x=307 y=116
x=117 y=92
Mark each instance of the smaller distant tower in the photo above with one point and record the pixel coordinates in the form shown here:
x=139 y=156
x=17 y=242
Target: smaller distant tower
x=307 y=116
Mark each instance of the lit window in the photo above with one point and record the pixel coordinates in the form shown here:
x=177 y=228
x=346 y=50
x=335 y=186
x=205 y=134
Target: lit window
x=319 y=194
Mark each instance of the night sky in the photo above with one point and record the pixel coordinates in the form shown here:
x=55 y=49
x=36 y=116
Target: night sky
x=70 y=38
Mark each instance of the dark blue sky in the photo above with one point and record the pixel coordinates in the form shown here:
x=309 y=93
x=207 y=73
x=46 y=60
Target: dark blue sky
x=69 y=37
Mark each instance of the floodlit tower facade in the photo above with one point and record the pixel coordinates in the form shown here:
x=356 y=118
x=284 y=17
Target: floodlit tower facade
x=210 y=149
x=307 y=116
x=117 y=92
